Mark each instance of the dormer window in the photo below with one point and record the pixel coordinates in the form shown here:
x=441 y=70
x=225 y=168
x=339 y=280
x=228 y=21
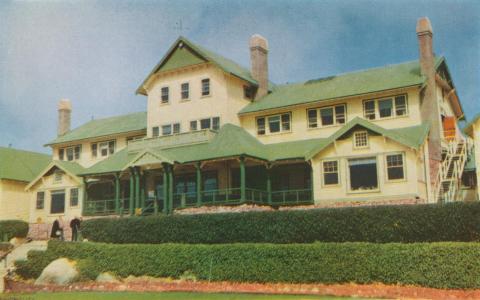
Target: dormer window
x=103 y=148
x=165 y=94
x=70 y=153
x=248 y=92
x=185 y=87
x=205 y=87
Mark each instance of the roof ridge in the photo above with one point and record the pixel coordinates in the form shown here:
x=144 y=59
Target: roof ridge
x=113 y=117
x=22 y=150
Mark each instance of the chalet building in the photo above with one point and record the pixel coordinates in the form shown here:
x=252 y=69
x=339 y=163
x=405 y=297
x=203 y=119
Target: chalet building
x=17 y=169
x=216 y=133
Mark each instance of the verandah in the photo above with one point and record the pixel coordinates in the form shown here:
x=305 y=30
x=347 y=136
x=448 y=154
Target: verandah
x=164 y=187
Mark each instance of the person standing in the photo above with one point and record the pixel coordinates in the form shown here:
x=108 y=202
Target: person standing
x=56 y=230
x=75 y=226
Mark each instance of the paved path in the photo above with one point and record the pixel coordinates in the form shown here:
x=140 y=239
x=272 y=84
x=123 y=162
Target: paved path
x=18 y=253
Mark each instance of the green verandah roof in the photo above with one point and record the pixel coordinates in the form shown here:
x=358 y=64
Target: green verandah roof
x=200 y=55
x=21 y=165
x=105 y=127
x=344 y=85
x=234 y=141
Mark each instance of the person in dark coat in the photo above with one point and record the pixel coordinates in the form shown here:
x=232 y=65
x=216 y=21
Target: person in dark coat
x=56 y=230
x=75 y=225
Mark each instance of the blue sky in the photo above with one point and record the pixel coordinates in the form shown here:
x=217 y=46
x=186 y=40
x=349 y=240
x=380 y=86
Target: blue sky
x=96 y=53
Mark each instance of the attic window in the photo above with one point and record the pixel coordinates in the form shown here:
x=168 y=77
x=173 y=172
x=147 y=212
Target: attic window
x=57 y=176
x=248 y=92
x=360 y=139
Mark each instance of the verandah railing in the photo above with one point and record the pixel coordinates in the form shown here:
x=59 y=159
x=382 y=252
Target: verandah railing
x=231 y=196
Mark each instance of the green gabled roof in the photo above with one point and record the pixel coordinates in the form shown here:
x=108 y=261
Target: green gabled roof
x=21 y=165
x=344 y=85
x=105 y=127
x=412 y=137
x=467 y=127
x=191 y=54
x=69 y=167
x=114 y=163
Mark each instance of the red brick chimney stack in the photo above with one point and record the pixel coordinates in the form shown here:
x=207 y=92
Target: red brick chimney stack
x=259 y=61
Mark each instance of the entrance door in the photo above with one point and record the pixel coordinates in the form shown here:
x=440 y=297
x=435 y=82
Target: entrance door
x=57 y=204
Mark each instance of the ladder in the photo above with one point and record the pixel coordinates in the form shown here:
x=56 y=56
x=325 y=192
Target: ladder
x=448 y=181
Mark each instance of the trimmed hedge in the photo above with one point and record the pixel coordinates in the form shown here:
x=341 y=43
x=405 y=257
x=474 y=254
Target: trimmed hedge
x=438 y=265
x=13 y=228
x=380 y=224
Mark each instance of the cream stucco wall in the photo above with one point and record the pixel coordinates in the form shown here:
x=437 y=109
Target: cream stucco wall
x=86 y=159
x=47 y=184
x=14 y=200
x=354 y=107
x=224 y=101
x=409 y=188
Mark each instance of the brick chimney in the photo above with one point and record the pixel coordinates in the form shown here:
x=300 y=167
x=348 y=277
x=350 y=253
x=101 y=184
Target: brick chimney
x=259 y=61
x=64 y=115
x=430 y=110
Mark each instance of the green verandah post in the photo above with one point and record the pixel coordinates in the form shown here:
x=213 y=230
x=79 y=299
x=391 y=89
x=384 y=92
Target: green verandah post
x=137 y=188
x=242 y=179
x=165 y=188
x=143 y=189
x=199 y=184
x=85 y=194
x=170 y=189
x=117 y=193
x=132 y=187
x=311 y=184
x=269 y=185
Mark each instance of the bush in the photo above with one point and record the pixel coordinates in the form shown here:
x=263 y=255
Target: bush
x=13 y=228
x=36 y=261
x=381 y=224
x=438 y=265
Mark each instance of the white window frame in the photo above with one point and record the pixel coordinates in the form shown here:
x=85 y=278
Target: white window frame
x=38 y=198
x=58 y=176
x=105 y=145
x=376 y=112
x=318 y=116
x=193 y=128
x=162 y=101
x=355 y=138
x=163 y=127
x=282 y=126
x=349 y=184
x=209 y=85
x=182 y=91
x=330 y=172
x=403 y=167
x=70 y=150
x=71 y=197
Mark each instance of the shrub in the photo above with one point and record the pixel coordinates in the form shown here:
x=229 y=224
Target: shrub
x=13 y=228
x=381 y=224
x=36 y=261
x=438 y=265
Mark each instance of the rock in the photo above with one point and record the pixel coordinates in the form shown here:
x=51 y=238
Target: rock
x=61 y=271
x=106 y=277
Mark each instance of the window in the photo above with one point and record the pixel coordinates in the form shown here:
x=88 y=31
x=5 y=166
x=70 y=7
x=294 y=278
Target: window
x=312 y=118
x=276 y=123
x=395 y=169
x=185 y=91
x=57 y=204
x=205 y=87
x=57 y=176
x=369 y=109
x=40 y=200
x=167 y=129
x=106 y=148
x=176 y=128
x=401 y=105
x=261 y=126
x=330 y=172
x=332 y=115
x=193 y=125
x=70 y=153
x=216 y=123
x=155 y=131
x=360 y=139
x=205 y=123
x=164 y=94
x=134 y=138
x=385 y=107
x=74 y=197
x=469 y=179
x=248 y=92
x=94 y=150
x=363 y=174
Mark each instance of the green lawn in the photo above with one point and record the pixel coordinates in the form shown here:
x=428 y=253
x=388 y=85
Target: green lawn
x=158 y=296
